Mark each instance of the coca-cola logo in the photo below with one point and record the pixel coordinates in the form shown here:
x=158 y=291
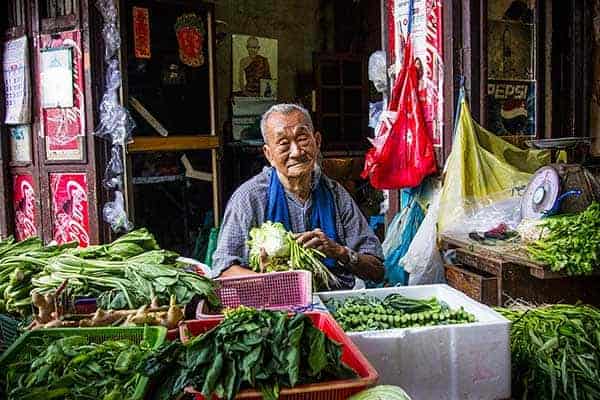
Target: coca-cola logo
x=25 y=211
x=71 y=224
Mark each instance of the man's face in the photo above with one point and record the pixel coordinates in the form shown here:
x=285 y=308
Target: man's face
x=253 y=47
x=292 y=147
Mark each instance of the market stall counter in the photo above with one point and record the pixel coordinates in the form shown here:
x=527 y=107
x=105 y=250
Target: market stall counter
x=495 y=273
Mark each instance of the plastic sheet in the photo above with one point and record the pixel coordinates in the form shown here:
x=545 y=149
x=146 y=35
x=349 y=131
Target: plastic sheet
x=116 y=124
x=378 y=70
x=485 y=178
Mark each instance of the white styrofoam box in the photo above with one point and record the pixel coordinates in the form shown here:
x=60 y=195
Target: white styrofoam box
x=463 y=361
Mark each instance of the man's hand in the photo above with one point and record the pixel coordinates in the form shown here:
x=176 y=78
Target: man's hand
x=318 y=240
x=236 y=270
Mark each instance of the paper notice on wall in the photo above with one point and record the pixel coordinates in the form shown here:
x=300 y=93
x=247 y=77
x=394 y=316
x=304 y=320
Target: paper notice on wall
x=57 y=78
x=17 y=83
x=70 y=209
x=20 y=143
x=427 y=41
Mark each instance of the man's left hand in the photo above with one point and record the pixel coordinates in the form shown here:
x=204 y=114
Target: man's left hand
x=318 y=240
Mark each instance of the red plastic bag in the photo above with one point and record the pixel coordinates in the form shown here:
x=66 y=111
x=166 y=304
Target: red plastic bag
x=402 y=154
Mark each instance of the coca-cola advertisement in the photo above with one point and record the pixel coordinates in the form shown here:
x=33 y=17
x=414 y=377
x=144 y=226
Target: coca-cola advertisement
x=64 y=127
x=70 y=208
x=24 y=206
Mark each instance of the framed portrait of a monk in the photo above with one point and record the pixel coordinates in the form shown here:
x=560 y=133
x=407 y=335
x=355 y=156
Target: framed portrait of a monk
x=254 y=62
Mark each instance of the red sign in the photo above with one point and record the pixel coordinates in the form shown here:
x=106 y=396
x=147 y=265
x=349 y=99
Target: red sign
x=141 y=32
x=70 y=208
x=25 y=206
x=189 y=29
x=64 y=128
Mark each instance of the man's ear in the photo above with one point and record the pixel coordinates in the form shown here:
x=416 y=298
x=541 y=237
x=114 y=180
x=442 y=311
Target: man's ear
x=267 y=152
x=318 y=139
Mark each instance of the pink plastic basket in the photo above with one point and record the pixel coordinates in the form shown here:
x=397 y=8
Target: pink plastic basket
x=289 y=290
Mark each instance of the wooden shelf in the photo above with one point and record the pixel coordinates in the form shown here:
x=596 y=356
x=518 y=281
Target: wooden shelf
x=145 y=144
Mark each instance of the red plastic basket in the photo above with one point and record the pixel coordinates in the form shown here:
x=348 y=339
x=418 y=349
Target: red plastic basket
x=289 y=290
x=332 y=390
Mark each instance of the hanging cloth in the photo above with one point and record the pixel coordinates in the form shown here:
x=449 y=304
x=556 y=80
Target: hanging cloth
x=323 y=209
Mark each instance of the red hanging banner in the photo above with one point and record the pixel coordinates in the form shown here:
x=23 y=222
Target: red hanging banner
x=141 y=32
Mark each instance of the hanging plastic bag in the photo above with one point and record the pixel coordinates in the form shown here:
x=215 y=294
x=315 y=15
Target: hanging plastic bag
x=407 y=226
x=423 y=260
x=485 y=177
x=402 y=154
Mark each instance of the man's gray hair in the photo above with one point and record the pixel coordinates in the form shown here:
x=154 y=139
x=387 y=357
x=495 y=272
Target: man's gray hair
x=284 y=109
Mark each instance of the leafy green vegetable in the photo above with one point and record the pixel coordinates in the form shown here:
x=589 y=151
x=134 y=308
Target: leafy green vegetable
x=555 y=352
x=72 y=368
x=284 y=253
x=265 y=350
x=572 y=242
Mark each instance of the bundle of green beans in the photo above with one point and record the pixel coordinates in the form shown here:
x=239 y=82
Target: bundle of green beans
x=571 y=243
x=555 y=352
x=363 y=313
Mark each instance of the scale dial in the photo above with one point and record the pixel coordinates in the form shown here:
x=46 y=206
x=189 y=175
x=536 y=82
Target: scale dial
x=542 y=192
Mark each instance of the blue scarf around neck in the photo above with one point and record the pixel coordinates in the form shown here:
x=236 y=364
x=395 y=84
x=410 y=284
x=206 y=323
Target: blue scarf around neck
x=323 y=209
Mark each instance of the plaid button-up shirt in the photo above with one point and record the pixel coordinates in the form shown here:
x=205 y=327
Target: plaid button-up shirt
x=247 y=208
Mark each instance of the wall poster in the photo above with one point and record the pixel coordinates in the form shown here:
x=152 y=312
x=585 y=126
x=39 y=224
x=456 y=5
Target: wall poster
x=511 y=107
x=70 y=213
x=20 y=143
x=57 y=78
x=427 y=41
x=24 y=203
x=64 y=127
x=17 y=83
x=254 y=66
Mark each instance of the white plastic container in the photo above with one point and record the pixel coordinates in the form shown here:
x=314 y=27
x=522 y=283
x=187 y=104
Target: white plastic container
x=465 y=361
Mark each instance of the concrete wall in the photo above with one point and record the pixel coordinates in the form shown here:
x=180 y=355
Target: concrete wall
x=301 y=27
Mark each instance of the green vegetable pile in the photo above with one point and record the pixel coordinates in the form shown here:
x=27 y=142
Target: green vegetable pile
x=126 y=273
x=555 y=352
x=19 y=262
x=126 y=284
x=72 y=368
x=571 y=243
x=265 y=350
x=364 y=313
x=284 y=254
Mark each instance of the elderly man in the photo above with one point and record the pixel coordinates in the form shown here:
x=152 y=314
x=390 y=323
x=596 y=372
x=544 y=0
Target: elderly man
x=295 y=192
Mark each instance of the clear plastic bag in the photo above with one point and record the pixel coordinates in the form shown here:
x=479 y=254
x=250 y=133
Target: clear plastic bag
x=114 y=214
x=378 y=70
x=375 y=110
x=423 y=260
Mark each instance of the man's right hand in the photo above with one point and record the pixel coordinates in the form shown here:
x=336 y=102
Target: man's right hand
x=236 y=270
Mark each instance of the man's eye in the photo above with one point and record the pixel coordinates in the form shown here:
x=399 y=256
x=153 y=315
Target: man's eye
x=283 y=143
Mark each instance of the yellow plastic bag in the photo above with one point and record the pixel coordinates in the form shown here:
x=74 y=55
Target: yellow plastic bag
x=484 y=176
